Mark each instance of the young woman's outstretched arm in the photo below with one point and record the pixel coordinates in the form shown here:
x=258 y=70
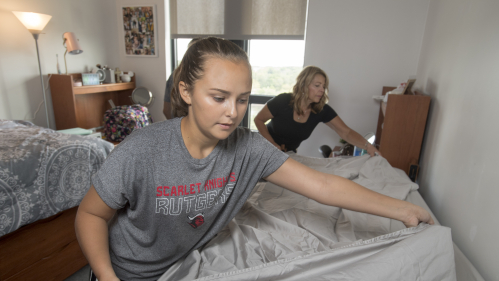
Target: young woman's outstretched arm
x=92 y=233
x=337 y=191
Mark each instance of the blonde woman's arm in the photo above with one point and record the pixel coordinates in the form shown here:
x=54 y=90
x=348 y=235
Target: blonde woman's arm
x=263 y=116
x=351 y=136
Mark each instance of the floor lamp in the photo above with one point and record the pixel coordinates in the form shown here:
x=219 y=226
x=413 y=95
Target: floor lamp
x=35 y=23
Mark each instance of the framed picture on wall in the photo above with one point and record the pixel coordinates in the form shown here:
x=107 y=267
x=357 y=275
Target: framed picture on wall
x=139 y=30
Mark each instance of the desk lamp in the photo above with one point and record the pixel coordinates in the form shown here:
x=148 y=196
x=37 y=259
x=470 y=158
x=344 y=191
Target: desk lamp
x=35 y=23
x=72 y=46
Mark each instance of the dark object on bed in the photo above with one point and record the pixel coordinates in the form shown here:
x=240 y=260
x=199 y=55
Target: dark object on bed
x=44 y=250
x=325 y=150
x=120 y=121
x=347 y=150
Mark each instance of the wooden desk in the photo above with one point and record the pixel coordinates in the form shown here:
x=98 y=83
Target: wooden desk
x=401 y=128
x=84 y=106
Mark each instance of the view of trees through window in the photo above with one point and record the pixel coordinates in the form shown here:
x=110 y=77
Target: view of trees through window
x=275 y=65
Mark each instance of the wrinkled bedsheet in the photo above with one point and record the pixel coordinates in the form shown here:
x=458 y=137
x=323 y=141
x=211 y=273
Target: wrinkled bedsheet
x=43 y=172
x=280 y=235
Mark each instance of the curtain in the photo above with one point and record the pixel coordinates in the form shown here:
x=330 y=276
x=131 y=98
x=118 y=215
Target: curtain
x=238 y=19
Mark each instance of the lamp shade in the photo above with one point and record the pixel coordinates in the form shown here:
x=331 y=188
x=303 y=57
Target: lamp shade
x=72 y=44
x=34 y=22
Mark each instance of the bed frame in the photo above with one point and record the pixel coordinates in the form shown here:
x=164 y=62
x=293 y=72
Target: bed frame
x=44 y=250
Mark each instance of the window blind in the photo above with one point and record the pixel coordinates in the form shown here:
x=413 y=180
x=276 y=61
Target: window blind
x=239 y=19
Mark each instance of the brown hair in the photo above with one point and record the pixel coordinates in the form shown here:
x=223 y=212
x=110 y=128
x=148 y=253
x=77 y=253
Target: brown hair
x=300 y=89
x=191 y=68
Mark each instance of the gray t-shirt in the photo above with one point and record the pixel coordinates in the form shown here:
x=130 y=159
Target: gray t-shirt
x=170 y=203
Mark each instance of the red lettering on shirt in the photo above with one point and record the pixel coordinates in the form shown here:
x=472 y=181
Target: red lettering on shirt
x=189 y=189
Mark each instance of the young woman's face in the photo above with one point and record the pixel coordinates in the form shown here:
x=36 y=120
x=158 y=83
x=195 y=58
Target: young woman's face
x=220 y=98
x=316 y=88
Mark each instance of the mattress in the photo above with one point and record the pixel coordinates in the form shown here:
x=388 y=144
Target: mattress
x=280 y=235
x=43 y=172
x=465 y=271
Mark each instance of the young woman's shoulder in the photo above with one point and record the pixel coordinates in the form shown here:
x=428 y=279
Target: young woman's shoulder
x=146 y=138
x=244 y=137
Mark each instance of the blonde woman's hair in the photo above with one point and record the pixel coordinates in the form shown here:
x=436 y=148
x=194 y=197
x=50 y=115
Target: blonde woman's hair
x=192 y=66
x=300 y=89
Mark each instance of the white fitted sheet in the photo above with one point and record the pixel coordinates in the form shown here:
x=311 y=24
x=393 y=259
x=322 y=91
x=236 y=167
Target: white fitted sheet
x=280 y=235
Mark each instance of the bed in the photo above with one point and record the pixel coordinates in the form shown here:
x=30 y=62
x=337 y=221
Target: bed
x=43 y=177
x=280 y=235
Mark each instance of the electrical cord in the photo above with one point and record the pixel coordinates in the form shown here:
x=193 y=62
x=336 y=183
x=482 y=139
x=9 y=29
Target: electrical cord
x=38 y=109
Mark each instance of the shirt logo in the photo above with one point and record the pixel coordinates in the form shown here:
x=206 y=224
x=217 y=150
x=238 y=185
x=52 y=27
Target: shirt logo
x=196 y=221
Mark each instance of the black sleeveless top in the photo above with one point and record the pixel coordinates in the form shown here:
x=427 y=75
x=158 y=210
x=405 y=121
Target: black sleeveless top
x=285 y=130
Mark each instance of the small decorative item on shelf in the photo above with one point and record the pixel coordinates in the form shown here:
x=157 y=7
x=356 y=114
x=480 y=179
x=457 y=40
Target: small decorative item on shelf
x=90 y=79
x=117 y=72
x=109 y=79
x=125 y=78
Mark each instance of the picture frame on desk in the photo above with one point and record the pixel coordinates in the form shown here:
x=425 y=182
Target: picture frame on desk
x=408 y=87
x=138 y=32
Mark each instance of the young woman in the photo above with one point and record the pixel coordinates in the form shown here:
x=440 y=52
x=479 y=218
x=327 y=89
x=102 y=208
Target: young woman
x=294 y=116
x=170 y=187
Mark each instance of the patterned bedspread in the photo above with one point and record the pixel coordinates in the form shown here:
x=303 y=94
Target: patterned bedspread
x=43 y=172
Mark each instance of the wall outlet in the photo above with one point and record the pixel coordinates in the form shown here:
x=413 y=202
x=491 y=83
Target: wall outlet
x=413 y=172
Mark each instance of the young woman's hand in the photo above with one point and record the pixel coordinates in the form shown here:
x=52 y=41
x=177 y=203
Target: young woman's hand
x=416 y=215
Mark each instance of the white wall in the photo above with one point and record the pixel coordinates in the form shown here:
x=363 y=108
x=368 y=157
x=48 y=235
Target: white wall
x=363 y=46
x=93 y=22
x=151 y=71
x=459 y=69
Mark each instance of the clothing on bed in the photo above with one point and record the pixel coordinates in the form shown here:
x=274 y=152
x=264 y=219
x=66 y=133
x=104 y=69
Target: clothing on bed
x=284 y=130
x=170 y=203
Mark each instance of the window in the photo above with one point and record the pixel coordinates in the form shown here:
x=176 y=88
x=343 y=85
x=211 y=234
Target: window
x=275 y=65
x=180 y=49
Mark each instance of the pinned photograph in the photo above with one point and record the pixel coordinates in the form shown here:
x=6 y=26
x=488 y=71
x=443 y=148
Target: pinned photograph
x=139 y=30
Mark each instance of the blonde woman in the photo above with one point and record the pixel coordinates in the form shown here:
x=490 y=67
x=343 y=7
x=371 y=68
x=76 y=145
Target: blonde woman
x=295 y=115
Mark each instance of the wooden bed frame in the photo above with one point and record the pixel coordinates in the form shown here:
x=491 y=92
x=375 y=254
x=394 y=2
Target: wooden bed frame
x=44 y=250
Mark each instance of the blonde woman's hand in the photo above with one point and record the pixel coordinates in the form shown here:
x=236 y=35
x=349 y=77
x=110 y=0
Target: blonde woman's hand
x=371 y=150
